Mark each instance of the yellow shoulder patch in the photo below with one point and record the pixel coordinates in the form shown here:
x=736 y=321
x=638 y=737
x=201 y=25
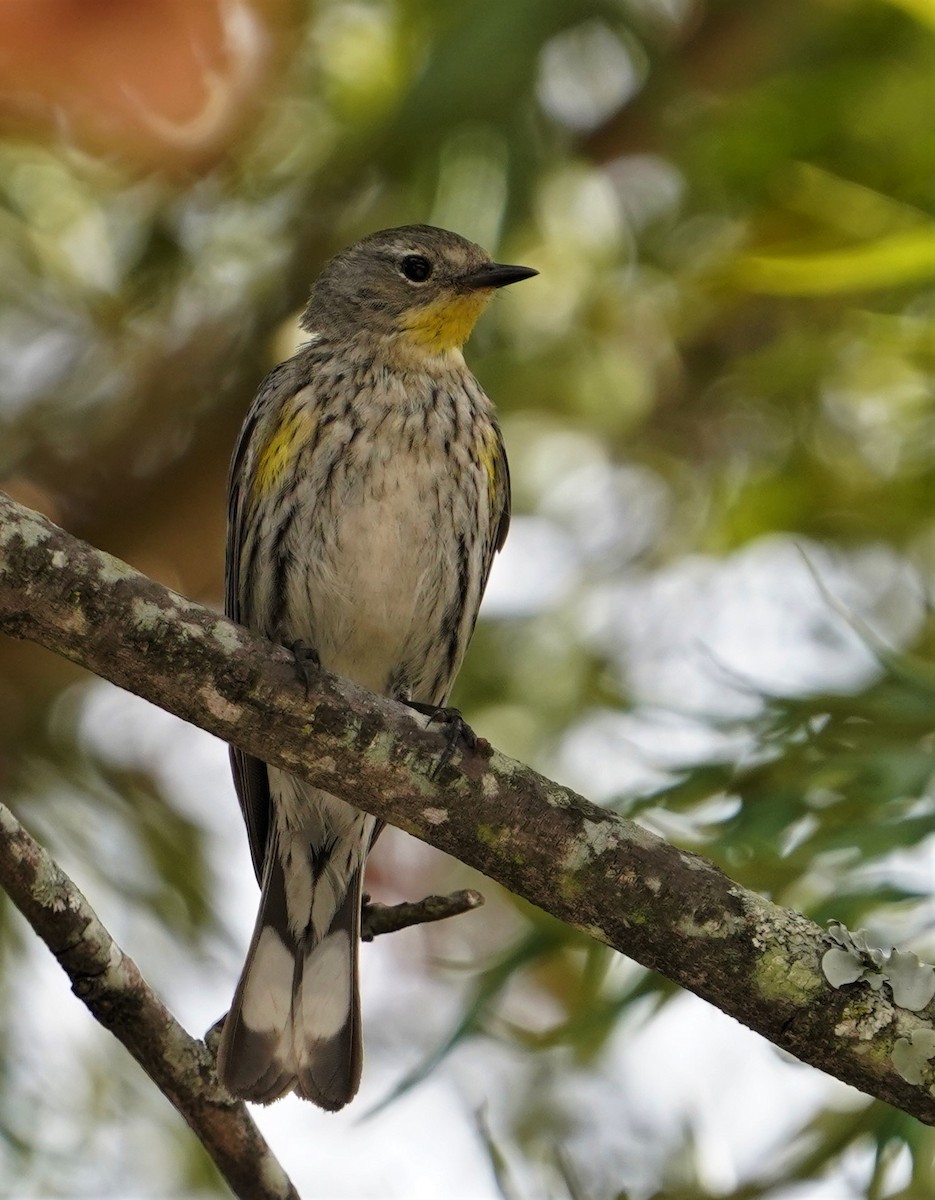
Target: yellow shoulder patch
x=294 y=430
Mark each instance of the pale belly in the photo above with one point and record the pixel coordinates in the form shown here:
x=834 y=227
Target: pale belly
x=381 y=585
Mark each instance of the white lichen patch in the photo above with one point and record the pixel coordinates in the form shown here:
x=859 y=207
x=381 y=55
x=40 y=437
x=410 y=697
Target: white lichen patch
x=712 y=928
x=219 y=706
x=225 y=633
x=490 y=786
x=113 y=570
x=507 y=768
x=47 y=887
x=435 y=816
x=146 y=614
x=692 y=862
x=31 y=531
x=115 y=975
x=182 y=604
x=865 y=1023
x=596 y=838
x=59 y=559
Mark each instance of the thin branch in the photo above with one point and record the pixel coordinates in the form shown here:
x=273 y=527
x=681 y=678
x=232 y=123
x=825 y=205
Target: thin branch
x=671 y=910
x=110 y=984
x=377 y=919
x=390 y=918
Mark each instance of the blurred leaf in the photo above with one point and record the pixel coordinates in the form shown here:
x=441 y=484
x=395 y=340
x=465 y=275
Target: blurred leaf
x=889 y=262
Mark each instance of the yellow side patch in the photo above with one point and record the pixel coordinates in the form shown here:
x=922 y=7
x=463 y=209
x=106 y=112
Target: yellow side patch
x=446 y=323
x=488 y=451
x=294 y=431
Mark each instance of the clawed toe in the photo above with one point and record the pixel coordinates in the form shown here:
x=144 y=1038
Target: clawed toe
x=458 y=735
x=307 y=663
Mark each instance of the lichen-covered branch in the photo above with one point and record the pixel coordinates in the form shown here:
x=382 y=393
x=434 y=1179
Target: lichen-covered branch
x=669 y=909
x=111 y=986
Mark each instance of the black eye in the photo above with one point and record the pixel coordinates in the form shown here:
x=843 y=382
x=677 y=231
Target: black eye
x=416 y=267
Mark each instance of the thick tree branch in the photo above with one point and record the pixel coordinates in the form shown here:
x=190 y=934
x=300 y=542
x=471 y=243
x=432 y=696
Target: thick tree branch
x=668 y=909
x=111 y=986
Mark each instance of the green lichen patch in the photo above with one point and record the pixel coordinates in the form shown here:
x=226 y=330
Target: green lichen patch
x=487 y=835
x=912 y=1054
x=853 y=959
x=779 y=977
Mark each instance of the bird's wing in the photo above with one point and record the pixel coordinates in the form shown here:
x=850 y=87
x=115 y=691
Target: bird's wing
x=500 y=506
x=250 y=774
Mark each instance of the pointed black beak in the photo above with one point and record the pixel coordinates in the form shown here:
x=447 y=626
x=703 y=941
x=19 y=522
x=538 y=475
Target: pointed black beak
x=497 y=275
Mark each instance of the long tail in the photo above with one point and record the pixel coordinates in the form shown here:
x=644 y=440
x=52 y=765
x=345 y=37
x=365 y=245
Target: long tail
x=295 y=1019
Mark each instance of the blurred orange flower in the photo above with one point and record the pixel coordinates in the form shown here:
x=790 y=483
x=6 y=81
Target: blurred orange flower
x=166 y=83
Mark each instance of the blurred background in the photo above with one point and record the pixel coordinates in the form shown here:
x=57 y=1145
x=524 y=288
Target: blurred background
x=713 y=611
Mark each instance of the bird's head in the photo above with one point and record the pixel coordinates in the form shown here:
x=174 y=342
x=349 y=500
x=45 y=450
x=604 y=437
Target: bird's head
x=416 y=289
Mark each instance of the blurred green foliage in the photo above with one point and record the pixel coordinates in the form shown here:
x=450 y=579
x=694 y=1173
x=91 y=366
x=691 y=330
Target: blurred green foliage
x=732 y=206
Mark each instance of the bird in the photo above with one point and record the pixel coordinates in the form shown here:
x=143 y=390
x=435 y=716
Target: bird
x=368 y=494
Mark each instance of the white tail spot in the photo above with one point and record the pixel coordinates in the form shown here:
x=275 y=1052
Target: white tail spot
x=267 y=996
x=326 y=988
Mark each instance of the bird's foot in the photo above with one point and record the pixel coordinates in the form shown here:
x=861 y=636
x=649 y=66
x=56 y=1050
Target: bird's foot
x=458 y=734
x=307 y=663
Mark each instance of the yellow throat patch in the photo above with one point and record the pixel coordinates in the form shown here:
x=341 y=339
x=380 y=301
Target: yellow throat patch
x=446 y=323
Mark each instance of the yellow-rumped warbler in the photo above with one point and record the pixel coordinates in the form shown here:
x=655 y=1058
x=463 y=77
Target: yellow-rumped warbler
x=369 y=492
